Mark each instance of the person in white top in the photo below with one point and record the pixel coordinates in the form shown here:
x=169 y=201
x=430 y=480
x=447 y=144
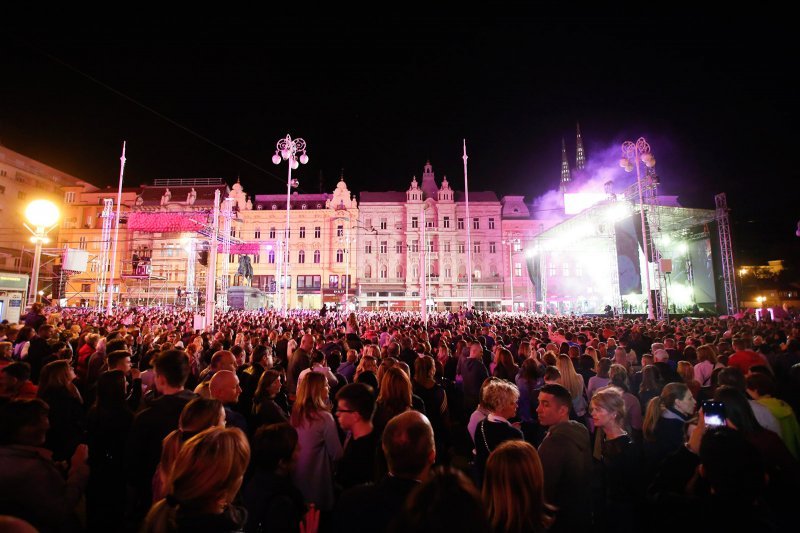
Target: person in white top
x=319 y=365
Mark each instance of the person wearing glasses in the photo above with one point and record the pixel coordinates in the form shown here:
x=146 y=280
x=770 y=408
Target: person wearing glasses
x=355 y=404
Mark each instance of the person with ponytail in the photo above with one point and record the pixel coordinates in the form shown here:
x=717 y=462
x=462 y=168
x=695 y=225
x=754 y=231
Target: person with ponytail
x=202 y=485
x=198 y=415
x=664 y=420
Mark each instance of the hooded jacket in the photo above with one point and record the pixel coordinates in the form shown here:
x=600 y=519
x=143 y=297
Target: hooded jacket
x=790 y=431
x=567 y=463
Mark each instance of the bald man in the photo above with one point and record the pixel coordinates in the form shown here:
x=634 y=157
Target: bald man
x=224 y=386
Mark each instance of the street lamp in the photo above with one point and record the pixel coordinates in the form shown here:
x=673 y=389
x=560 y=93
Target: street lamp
x=287 y=149
x=640 y=150
x=511 y=243
x=43 y=216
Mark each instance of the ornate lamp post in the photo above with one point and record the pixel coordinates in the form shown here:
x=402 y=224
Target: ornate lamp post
x=293 y=151
x=636 y=151
x=43 y=216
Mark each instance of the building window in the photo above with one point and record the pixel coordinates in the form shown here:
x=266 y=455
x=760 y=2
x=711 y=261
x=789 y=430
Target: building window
x=428 y=223
x=22 y=195
x=430 y=246
x=415 y=246
x=384 y=272
x=316 y=257
x=518 y=269
x=340 y=256
x=476 y=274
x=274 y=207
x=476 y=247
x=368 y=248
x=578 y=271
x=491 y=223
x=257 y=234
x=461 y=247
x=368 y=223
x=82 y=243
x=301 y=256
x=384 y=223
x=304 y=206
x=398 y=247
x=565 y=270
x=271 y=257
x=256 y=258
x=414 y=222
x=333 y=281
x=384 y=247
x=233 y=232
x=302 y=232
x=288 y=233
x=399 y=272
x=69 y=197
x=272 y=232
x=517 y=246
x=415 y=272
x=340 y=231
x=446 y=222
x=367 y=272
x=460 y=223
x=448 y=272
x=476 y=223
x=317 y=232
x=86 y=287
x=492 y=248
x=447 y=247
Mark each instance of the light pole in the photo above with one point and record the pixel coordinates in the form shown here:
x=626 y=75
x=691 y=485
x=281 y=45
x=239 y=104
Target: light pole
x=511 y=242
x=641 y=150
x=287 y=149
x=43 y=215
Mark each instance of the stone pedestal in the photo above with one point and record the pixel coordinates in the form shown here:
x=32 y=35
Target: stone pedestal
x=246 y=298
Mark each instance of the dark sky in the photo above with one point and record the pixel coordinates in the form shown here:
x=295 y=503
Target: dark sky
x=377 y=95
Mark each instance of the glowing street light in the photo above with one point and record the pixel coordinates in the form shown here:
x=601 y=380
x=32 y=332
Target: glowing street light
x=43 y=216
x=293 y=151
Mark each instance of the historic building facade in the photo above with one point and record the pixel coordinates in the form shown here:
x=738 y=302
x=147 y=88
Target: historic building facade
x=413 y=244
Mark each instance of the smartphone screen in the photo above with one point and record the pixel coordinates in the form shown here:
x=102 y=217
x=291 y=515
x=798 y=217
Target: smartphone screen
x=714 y=413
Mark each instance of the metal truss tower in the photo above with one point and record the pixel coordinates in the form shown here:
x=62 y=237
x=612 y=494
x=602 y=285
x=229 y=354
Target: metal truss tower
x=105 y=249
x=726 y=251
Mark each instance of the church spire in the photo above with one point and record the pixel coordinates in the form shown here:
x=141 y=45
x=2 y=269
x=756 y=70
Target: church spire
x=580 y=160
x=565 y=175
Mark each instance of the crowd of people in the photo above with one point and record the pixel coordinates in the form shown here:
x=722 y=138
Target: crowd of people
x=378 y=421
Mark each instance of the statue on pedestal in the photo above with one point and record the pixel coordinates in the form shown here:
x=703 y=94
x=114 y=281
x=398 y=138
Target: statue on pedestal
x=245 y=269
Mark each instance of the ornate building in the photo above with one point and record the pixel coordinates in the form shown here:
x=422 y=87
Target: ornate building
x=420 y=236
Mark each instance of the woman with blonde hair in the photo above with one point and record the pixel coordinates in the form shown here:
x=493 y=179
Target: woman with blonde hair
x=367 y=372
x=617 y=457
x=573 y=382
x=204 y=480
x=513 y=489
x=67 y=416
x=500 y=398
x=196 y=416
x=686 y=372
x=319 y=441
x=395 y=397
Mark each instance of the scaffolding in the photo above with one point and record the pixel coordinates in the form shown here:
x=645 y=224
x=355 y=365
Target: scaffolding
x=105 y=247
x=227 y=219
x=726 y=252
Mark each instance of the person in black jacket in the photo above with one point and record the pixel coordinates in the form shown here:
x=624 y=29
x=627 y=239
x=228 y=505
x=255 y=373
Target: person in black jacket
x=500 y=397
x=410 y=452
x=151 y=425
x=272 y=501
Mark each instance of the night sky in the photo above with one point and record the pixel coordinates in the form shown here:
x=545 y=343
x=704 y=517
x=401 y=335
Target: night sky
x=377 y=95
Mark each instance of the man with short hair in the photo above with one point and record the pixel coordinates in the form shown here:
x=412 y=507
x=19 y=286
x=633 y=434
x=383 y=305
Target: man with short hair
x=38 y=350
x=355 y=405
x=743 y=357
x=299 y=361
x=152 y=424
x=121 y=360
x=410 y=452
x=221 y=360
x=473 y=372
x=662 y=362
x=566 y=461
x=15 y=382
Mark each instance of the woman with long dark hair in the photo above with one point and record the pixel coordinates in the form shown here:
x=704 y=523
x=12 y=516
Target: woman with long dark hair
x=67 y=415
